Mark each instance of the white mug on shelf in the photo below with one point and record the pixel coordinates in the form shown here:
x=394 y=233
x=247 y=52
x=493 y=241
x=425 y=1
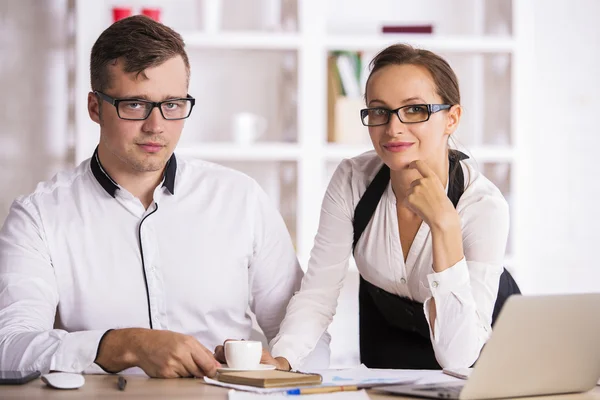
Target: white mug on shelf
x=247 y=127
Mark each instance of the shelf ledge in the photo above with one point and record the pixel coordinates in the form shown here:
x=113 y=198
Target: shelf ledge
x=479 y=154
x=234 y=152
x=465 y=44
x=274 y=151
x=243 y=40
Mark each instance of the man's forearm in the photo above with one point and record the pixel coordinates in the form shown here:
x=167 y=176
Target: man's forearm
x=116 y=350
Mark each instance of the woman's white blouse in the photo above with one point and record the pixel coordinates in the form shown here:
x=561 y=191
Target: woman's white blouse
x=464 y=293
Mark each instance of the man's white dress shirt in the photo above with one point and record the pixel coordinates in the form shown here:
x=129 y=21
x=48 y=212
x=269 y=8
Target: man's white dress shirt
x=464 y=294
x=82 y=255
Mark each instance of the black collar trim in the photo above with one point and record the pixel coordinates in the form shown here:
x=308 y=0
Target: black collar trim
x=170 y=172
x=102 y=176
x=110 y=186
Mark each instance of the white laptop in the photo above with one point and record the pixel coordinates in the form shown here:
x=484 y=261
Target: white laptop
x=540 y=345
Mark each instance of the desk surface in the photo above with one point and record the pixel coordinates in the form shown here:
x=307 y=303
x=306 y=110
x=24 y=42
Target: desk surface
x=105 y=387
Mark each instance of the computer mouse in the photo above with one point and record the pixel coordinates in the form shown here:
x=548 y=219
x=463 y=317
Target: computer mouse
x=63 y=380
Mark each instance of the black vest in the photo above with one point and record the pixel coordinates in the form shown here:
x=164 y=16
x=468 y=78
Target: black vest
x=393 y=330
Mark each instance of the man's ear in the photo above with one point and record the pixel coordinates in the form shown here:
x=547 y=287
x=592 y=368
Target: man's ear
x=94 y=107
x=453 y=119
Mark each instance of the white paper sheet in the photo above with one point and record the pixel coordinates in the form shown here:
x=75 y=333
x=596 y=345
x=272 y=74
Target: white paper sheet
x=363 y=376
x=359 y=376
x=358 y=395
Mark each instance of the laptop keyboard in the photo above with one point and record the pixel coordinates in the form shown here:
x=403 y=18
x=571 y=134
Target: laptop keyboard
x=444 y=391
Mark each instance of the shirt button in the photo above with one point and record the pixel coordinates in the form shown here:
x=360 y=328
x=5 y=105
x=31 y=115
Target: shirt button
x=435 y=284
x=403 y=280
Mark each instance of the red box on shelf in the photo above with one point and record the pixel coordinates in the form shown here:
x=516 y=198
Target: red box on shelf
x=120 y=13
x=407 y=29
x=152 y=12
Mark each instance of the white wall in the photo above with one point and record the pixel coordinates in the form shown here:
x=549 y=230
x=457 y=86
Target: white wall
x=34 y=104
x=561 y=221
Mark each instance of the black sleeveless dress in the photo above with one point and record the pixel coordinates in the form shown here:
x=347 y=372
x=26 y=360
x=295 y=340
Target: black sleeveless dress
x=393 y=330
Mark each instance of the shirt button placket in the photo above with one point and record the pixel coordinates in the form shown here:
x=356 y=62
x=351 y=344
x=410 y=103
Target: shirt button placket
x=150 y=270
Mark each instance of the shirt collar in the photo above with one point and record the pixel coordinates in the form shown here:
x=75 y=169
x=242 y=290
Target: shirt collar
x=110 y=186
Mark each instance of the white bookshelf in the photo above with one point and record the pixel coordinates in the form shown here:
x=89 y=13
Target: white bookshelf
x=311 y=155
x=310 y=44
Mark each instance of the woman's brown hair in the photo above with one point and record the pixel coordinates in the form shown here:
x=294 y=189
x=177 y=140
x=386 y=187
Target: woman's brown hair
x=443 y=76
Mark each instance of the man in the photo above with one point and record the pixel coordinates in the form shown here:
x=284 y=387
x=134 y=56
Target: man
x=137 y=258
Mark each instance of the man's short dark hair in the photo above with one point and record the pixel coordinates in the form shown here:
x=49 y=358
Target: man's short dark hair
x=140 y=42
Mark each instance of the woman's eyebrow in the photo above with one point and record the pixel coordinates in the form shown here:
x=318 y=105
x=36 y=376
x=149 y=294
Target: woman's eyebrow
x=405 y=101
x=415 y=98
x=377 y=101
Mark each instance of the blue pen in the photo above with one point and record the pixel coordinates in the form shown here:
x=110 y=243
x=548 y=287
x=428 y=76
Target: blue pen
x=323 y=389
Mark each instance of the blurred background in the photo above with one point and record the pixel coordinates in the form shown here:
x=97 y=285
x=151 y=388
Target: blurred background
x=279 y=83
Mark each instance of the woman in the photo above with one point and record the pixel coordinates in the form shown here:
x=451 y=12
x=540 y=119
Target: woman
x=428 y=236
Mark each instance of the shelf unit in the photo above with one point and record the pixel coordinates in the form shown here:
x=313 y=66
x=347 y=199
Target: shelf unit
x=311 y=155
x=311 y=44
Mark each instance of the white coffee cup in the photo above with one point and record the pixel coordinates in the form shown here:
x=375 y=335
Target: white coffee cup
x=247 y=127
x=243 y=354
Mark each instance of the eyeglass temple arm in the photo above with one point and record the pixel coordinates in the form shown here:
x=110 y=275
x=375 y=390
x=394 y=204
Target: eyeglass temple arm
x=439 y=107
x=105 y=97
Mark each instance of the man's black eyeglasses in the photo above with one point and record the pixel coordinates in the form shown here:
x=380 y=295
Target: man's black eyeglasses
x=138 y=109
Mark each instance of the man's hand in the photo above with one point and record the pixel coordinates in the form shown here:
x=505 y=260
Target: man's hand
x=161 y=354
x=279 y=362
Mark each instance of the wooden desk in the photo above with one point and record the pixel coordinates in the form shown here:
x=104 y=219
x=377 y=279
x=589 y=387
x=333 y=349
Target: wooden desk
x=105 y=387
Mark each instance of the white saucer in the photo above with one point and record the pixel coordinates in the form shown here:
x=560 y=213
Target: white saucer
x=261 y=367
